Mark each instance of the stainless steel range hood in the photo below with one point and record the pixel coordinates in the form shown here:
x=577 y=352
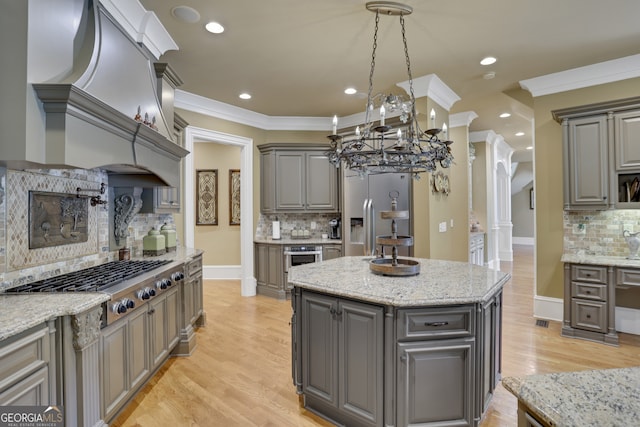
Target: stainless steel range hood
x=101 y=78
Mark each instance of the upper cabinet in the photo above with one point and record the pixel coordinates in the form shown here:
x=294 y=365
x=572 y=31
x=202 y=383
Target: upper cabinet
x=297 y=178
x=601 y=155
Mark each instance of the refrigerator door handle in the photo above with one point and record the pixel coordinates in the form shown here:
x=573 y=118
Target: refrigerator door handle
x=369 y=227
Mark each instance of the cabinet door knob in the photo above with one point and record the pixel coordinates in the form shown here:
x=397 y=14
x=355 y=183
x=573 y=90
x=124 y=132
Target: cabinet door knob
x=436 y=324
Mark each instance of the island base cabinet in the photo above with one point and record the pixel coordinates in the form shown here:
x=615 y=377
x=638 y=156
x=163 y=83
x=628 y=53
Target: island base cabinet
x=342 y=363
x=435 y=383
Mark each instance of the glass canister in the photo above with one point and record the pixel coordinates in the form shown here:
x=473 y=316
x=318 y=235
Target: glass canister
x=169 y=233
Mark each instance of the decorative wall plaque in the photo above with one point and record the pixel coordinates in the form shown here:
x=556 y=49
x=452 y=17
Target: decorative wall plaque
x=57 y=219
x=234 y=196
x=207 y=197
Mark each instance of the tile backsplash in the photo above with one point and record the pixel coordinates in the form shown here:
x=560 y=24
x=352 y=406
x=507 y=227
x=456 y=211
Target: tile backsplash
x=19 y=264
x=599 y=232
x=291 y=221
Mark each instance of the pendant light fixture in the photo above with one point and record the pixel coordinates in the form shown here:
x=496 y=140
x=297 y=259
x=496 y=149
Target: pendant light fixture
x=377 y=148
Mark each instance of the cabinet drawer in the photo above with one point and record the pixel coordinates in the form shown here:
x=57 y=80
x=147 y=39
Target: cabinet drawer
x=627 y=277
x=590 y=315
x=194 y=266
x=591 y=291
x=589 y=273
x=23 y=354
x=435 y=323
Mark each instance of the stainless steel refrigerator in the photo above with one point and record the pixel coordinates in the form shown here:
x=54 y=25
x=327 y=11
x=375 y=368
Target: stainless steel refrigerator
x=363 y=200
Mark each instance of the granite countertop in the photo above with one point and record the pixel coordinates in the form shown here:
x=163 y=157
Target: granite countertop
x=19 y=312
x=439 y=282
x=608 y=397
x=314 y=240
x=615 y=261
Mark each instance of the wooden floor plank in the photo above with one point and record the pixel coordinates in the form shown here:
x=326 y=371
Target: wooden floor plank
x=240 y=372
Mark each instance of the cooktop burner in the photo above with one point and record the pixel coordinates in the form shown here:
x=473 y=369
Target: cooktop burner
x=92 y=279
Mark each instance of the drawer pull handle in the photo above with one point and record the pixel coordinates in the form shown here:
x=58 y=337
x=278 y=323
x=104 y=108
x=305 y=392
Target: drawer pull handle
x=588 y=274
x=588 y=316
x=436 y=324
x=588 y=292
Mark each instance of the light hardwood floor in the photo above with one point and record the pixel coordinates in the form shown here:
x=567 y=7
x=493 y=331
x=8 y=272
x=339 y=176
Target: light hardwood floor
x=240 y=372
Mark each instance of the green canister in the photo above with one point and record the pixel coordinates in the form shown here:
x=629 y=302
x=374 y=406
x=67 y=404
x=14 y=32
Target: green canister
x=153 y=244
x=169 y=234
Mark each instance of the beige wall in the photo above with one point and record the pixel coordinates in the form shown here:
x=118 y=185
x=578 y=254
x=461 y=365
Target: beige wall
x=221 y=243
x=430 y=209
x=548 y=176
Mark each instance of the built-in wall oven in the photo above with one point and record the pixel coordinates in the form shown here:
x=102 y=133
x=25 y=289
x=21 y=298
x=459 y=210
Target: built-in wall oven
x=299 y=254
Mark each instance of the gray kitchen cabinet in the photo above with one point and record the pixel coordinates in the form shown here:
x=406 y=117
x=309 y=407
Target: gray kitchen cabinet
x=331 y=251
x=269 y=270
x=191 y=313
x=627 y=135
x=586 y=167
x=342 y=358
x=297 y=178
x=589 y=304
x=134 y=347
x=160 y=200
x=424 y=368
x=440 y=365
x=601 y=156
x=27 y=374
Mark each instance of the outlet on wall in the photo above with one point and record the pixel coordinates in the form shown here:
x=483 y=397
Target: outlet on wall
x=580 y=228
x=313 y=225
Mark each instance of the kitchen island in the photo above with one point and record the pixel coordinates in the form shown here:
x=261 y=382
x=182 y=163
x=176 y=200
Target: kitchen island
x=372 y=350
x=607 y=397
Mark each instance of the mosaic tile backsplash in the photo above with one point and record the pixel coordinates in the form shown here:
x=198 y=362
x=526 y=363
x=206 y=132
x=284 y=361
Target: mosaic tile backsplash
x=290 y=221
x=19 y=264
x=599 y=232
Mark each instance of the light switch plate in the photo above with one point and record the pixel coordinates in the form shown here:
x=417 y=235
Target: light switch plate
x=443 y=227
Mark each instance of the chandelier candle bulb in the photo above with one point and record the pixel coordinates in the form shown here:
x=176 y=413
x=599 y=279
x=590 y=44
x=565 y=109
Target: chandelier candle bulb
x=444 y=131
x=357 y=130
x=382 y=114
x=335 y=124
x=432 y=116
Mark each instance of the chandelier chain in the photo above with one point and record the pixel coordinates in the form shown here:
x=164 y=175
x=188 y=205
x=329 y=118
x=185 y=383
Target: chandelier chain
x=408 y=62
x=373 y=66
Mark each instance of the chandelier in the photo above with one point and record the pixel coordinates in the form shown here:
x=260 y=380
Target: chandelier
x=377 y=148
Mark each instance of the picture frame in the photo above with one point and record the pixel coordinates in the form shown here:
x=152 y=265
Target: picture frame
x=207 y=197
x=234 y=196
x=532 y=199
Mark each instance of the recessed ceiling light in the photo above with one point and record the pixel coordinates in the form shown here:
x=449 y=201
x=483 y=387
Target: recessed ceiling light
x=529 y=148
x=488 y=60
x=519 y=133
x=186 y=14
x=488 y=76
x=505 y=115
x=244 y=96
x=350 y=91
x=214 y=27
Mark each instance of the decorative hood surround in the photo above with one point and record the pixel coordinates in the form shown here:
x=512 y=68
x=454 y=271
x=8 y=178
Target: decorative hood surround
x=90 y=114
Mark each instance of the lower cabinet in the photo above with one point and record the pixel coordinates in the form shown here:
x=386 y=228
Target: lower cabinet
x=331 y=252
x=269 y=270
x=133 y=347
x=26 y=372
x=362 y=364
x=435 y=382
x=342 y=359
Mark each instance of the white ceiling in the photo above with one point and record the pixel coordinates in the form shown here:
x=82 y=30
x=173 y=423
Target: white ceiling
x=296 y=57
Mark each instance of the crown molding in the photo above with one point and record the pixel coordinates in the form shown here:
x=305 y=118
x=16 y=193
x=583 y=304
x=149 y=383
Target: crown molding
x=141 y=25
x=431 y=86
x=210 y=107
x=462 y=119
x=581 y=77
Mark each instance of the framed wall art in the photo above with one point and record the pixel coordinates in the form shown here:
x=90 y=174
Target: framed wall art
x=234 y=196
x=207 y=197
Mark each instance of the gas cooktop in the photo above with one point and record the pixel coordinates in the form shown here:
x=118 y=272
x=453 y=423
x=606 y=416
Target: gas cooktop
x=92 y=279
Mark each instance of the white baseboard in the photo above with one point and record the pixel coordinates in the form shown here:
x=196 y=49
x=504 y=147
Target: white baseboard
x=506 y=256
x=222 y=272
x=628 y=320
x=523 y=241
x=548 y=308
